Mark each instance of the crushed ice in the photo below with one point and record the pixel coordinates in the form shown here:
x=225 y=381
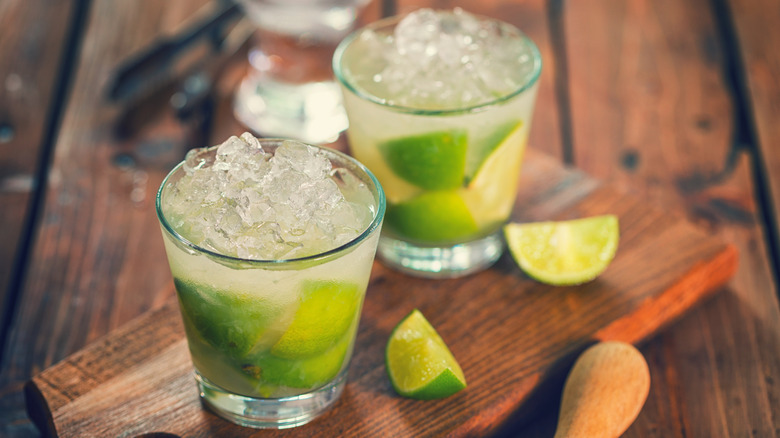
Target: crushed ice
x=240 y=200
x=444 y=59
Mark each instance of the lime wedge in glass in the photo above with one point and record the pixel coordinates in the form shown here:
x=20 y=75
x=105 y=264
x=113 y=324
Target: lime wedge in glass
x=566 y=252
x=326 y=311
x=231 y=322
x=432 y=161
x=483 y=146
x=419 y=363
x=308 y=372
x=491 y=193
x=435 y=216
x=396 y=188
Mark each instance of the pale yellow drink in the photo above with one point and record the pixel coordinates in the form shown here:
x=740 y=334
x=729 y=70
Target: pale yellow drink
x=448 y=157
x=271 y=259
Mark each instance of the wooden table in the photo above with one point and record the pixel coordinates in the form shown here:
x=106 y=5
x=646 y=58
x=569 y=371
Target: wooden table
x=677 y=99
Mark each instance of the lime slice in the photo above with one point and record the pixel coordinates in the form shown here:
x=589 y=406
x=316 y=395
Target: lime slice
x=231 y=322
x=433 y=161
x=483 y=146
x=419 y=363
x=566 y=252
x=437 y=216
x=310 y=372
x=491 y=194
x=326 y=311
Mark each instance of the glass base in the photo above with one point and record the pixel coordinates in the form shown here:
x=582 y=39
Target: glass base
x=441 y=262
x=310 y=112
x=276 y=413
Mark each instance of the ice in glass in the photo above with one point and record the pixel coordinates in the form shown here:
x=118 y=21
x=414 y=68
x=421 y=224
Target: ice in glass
x=270 y=244
x=439 y=106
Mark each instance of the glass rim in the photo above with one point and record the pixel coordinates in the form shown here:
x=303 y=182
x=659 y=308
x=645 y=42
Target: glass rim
x=271 y=263
x=338 y=72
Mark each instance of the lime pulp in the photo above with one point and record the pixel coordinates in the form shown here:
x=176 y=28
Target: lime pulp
x=564 y=252
x=419 y=364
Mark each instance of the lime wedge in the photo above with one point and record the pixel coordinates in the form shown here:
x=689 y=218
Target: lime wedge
x=231 y=322
x=326 y=311
x=419 y=363
x=309 y=372
x=436 y=216
x=491 y=194
x=433 y=161
x=564 y=253
x=484 y=145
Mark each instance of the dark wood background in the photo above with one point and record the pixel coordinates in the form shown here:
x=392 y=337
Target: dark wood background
x=680 y=100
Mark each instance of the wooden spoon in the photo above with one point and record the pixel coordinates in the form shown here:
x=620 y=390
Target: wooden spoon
x=604 y=392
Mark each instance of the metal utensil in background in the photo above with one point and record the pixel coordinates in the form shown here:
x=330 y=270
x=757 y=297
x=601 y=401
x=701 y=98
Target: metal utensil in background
x=179 y=73
x=168 y=58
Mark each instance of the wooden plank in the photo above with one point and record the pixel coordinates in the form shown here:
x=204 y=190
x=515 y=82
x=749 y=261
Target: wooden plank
x=32 y=46
x=650 y=107
x=89 y=267
x=139 y=380
x=757 y=37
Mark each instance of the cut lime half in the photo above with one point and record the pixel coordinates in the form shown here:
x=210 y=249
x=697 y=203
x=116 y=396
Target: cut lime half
x=566 y=252
x=419 y=363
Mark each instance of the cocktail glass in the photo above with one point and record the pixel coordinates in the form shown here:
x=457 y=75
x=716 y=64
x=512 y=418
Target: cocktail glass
x=289 y=89
x=449 y=162
x=271 y=340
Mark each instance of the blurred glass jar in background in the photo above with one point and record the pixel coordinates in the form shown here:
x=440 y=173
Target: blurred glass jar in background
x=289 y=90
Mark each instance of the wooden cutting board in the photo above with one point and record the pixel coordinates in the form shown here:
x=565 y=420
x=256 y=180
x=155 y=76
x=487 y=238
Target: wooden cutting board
x=514 y=338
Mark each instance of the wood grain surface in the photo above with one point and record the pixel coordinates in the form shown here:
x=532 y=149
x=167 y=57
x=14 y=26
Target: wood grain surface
x=515 y=338
x=29 y=83
x=90 y=248
x=659 y=112
x=756 y=59
x=674 y=99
